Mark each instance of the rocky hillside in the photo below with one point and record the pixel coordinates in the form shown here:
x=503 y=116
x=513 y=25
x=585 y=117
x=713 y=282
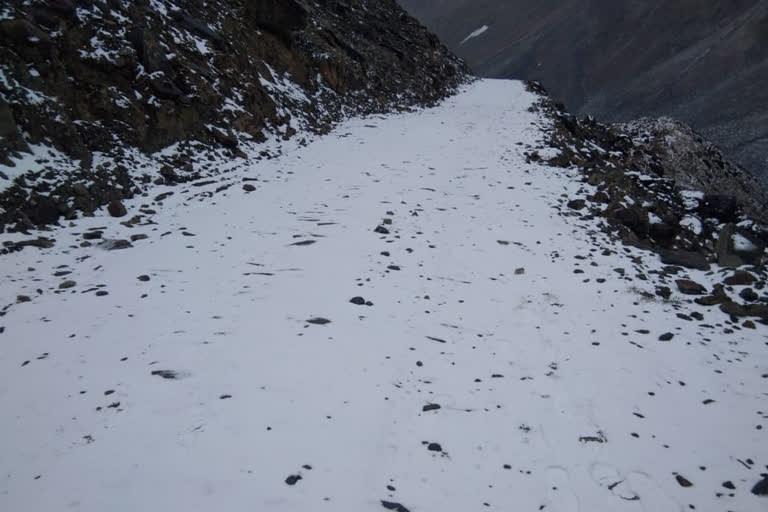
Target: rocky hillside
x=704 y=63
x=89 y=88
x=658 y=186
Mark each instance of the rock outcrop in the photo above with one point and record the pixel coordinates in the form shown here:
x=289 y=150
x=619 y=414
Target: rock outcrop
x=660 y=187
x=86 y=85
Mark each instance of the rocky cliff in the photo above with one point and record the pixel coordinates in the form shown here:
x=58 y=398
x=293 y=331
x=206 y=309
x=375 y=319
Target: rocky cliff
x=88 y=88
x=705 y=63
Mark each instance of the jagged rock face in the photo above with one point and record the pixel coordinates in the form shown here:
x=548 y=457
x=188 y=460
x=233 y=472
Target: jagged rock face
x=705 y=63
x=675 y=150
x=108 y=76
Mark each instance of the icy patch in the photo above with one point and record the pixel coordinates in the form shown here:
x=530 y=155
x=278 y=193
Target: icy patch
x=691 y=223
x=480 y=31
x=742 y=244
x=691 y=198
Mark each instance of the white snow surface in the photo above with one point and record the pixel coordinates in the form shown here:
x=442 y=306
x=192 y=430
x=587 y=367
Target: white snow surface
x=478 y=32
x=549 y=397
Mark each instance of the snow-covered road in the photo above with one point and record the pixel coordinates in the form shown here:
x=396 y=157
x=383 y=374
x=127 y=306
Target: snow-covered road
x=504 y=364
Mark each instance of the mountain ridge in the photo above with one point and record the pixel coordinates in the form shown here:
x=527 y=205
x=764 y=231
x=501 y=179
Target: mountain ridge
x=701 y=63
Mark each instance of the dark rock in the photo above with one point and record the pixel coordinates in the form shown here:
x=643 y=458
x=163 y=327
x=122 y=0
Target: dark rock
x=165 y=89
x=729 y=485
x=381 y=230
x=248 y=187
x=23 y=298
x=359 y=301
x=664 y=233
x=143 y=278
x=293 y=479
x=711 y=300
x=138 y=236
x=742 y=310
x=117 y=209
x=166 y=374
x=635 y=218
x=430 y=407
x=761 y=487
x=577 y=204
x=685 y=259
x=390 y=505
x=92 y=235
x=664 y=292
x=667 y=336
x=684 y=482
x=690 y=287
x=67 y=284
x=740 y=278
x=318 y=321
x=224 y=137
x=434 y=447
x=42 y=210
x=722 y=207
x=749 y=295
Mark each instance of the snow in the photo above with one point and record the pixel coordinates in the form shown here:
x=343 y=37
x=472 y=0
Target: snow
x=691 y=223
x=549 y=396
x=740 y=243
x=478 y=32
x=31 y=161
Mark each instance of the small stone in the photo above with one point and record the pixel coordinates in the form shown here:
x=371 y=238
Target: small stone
x=667 y=336
x=577 y=204
x=248 y=187
x=138 y=236
x=67 y=284
x=430 y=407
x=381 y=230
x=102 y=293
x=92 y=235
x=684 y=482
x=358 y=301
x=225 y=397
x=117 y=209
x=390 y=505
x=434 y=447
x=729 y=485
x=291 y=480
x=318 y=321
x=23 y=298
x=519 y=271
x=165 y=374
x=143 y=278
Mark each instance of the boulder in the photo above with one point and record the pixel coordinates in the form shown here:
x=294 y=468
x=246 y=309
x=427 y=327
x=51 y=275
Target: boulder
x=685 y=259
x=689 y=287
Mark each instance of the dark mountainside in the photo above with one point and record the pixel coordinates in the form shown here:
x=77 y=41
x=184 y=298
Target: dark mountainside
x=705 y=63
x=105 y=83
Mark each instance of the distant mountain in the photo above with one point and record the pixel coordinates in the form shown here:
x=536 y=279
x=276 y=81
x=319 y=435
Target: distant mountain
x=705 y=63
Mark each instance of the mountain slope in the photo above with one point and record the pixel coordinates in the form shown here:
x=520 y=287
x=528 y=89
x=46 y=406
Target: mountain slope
x=89 y=89
x=221 y=364
x=704 y=63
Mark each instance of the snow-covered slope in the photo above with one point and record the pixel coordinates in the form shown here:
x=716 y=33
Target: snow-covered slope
x=510 y=357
